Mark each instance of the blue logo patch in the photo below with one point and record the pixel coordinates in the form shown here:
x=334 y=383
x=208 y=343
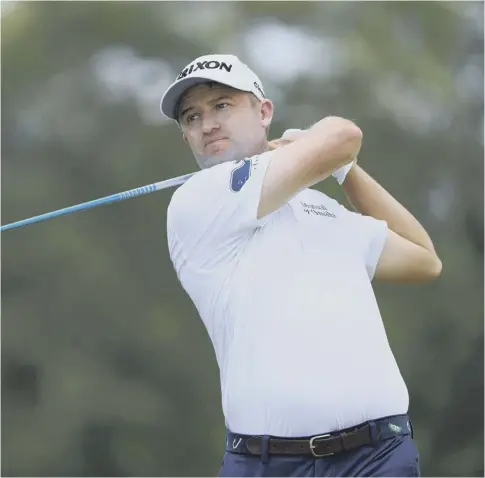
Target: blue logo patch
x=240 y=175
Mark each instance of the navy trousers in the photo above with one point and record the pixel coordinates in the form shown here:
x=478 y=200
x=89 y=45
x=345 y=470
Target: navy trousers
x=394 y=456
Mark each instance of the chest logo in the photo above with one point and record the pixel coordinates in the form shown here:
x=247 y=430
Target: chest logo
x=317 y=210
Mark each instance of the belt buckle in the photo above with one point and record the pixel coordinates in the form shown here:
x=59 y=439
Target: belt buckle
x=313 y=446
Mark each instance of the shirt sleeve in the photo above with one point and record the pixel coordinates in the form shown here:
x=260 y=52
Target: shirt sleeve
x=369 y=235
x=214 y=211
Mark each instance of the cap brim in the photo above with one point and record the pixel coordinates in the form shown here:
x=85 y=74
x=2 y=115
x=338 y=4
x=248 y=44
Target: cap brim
x=170 y=100
x=168 y=104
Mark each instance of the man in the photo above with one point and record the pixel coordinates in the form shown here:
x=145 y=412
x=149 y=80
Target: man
x=281 y=276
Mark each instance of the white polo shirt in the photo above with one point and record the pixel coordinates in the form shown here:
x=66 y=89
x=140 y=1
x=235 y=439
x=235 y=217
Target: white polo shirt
x=287 y=301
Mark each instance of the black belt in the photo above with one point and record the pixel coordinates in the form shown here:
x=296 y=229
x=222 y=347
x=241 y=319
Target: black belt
x=322 y=445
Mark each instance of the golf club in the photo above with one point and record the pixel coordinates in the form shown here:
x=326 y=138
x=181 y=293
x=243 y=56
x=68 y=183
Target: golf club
x=150 y=188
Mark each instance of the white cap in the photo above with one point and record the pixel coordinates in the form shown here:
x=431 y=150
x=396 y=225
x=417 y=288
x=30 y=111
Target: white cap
x=225 y=69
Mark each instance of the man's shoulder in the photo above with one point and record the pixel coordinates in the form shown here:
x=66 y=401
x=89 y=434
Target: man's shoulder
x=200 y=190
x=185 y=189
x=192 y=188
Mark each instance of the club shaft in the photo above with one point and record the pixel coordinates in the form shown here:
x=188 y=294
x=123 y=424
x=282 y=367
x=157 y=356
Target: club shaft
x=150 y=188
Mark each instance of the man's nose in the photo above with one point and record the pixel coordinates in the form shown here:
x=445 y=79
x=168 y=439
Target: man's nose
x=209 y=124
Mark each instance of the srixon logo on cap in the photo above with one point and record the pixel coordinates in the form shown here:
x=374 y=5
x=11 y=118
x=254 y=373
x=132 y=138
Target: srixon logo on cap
x=256 y=85
x=203 y=65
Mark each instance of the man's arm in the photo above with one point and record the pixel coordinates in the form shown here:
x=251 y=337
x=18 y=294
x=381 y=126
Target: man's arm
x=313 y=156
x=408 y=254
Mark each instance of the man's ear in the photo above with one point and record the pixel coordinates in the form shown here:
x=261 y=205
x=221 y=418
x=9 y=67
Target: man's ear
x=267 y=109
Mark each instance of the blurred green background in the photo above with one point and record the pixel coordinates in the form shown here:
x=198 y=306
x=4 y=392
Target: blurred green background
x=106 y=367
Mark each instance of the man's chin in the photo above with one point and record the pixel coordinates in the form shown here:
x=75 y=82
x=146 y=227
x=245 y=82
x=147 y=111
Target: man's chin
x=207 y=161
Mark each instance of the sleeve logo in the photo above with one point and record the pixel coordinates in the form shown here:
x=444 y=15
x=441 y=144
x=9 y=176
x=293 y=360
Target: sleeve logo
x=240 y=175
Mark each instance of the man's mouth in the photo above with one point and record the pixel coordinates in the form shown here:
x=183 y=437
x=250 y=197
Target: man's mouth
x=212 y=141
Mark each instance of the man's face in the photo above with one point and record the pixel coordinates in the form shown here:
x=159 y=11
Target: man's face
x=223 y=124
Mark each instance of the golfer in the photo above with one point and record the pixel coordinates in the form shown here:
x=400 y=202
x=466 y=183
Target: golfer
x=281 y=276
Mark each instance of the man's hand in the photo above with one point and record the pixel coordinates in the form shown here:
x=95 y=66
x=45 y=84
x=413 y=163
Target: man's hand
x=291 y=135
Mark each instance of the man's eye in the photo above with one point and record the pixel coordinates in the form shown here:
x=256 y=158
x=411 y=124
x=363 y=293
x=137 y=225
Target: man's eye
x=191 y=117
x=221 y=106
